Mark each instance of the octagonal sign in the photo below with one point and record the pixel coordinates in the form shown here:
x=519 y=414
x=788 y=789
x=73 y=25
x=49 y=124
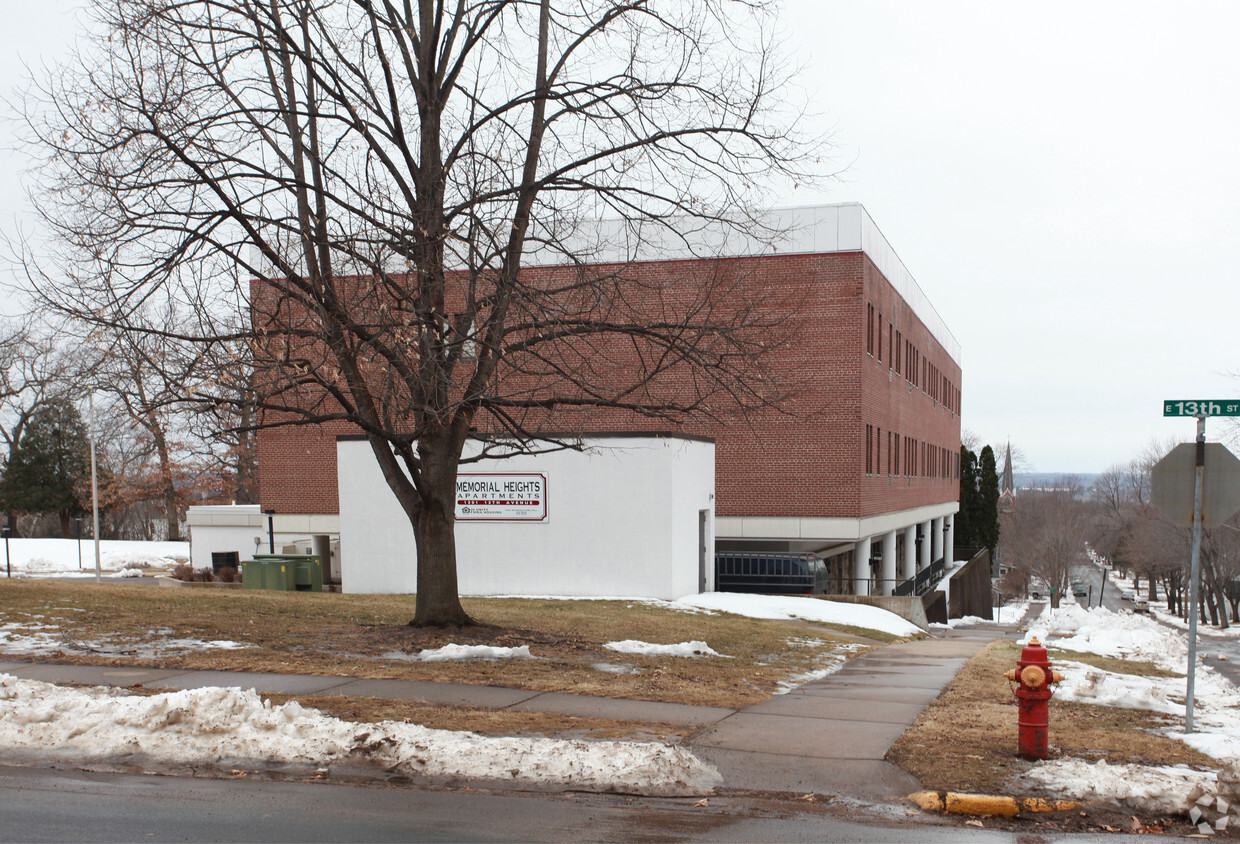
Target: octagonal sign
x=1172 y=480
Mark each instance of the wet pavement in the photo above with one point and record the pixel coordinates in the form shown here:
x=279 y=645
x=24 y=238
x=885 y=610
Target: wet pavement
x=827 y=736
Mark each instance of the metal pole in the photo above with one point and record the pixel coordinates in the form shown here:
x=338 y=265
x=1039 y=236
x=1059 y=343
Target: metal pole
x=79 y=541
x=8 y=561
x=94 y=491
x=1198 y=484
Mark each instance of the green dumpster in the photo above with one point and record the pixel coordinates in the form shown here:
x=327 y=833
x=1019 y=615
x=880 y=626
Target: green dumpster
x=290 y=572
x=253 y=575
x=309 y=576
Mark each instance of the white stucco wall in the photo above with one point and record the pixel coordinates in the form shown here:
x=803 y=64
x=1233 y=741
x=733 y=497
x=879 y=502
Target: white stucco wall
x=233 y=527
x=622 y=520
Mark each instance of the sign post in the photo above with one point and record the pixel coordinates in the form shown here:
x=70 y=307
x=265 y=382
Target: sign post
x=1165 y=498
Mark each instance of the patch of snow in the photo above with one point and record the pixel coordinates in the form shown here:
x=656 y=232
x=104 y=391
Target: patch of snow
x=808 y=609
x=450 y=653
x=29 y=639
x=1157 y=790
x=228 y=728
x=1121 y=635
x=65 y=557
x=689 y=649
x=835 y=660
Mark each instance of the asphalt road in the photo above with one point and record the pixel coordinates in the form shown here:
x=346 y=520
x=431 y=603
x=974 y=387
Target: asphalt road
x=43 y=805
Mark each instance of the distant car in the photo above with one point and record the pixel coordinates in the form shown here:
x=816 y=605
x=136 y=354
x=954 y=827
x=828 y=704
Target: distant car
x=1078 y=591
x=1128 y=595
x=1140 y=605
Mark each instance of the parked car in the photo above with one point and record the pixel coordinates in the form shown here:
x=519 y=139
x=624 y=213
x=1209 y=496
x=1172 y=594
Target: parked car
x=1128 y=595
x=1140 y=605
x=1078 y=591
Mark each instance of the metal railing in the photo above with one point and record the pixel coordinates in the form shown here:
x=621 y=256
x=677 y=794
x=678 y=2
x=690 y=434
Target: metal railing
x=923 y=581
x=773 y=573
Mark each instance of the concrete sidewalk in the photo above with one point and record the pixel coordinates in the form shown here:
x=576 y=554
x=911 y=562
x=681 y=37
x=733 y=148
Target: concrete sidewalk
x=828 y=736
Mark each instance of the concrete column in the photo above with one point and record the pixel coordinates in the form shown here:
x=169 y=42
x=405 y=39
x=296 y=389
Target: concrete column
x=910 y=552
x=923 y=561
x=888 y=575
x=936 y=532
x=861 y=567
x=951 y=539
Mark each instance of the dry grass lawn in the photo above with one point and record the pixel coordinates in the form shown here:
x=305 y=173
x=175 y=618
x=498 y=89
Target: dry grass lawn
x=966 y=740
x=368 y=636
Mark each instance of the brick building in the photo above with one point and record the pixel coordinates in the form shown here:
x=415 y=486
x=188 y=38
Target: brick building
x=860 y=466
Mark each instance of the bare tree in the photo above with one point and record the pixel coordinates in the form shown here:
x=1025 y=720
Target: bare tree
x=1046 y=534
x=369 y=180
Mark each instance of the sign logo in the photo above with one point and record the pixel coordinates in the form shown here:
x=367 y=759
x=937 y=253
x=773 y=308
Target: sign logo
x=509 y=497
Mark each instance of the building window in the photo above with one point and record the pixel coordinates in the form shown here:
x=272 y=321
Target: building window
x=869 y=449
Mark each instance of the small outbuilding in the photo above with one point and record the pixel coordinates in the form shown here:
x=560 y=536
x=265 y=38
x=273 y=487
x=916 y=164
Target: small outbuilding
x=626 y=515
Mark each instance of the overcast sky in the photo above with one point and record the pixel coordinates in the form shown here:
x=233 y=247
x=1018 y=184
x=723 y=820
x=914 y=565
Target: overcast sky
x=1061 y=179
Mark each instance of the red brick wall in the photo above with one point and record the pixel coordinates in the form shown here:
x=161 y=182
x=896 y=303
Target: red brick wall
x=808 y=459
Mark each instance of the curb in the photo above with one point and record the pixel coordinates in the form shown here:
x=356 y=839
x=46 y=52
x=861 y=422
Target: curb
x=955 y=803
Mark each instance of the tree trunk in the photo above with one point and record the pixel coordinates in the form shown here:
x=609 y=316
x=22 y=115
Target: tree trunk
x=434 y=531
x=166 y=481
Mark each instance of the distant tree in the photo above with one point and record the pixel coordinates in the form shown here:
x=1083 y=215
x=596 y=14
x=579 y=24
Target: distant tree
x=44 y=469
x=1046 y=535
x=986 y=526
x=966 y=518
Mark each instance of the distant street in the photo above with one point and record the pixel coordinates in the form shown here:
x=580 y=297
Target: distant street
x=42 y=805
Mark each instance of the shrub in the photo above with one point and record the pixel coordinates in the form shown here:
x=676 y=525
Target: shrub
x=184 y=572
x=228 y=574
x=204 y=575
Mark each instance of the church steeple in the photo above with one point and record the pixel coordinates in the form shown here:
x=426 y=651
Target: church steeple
x=1007 y=486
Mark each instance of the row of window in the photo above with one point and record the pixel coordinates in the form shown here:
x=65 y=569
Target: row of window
x=907 y=456
x=906 y=359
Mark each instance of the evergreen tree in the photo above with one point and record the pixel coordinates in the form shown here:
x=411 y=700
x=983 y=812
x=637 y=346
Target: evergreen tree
x=986 y=526
x=966 y=519
x=47 y=464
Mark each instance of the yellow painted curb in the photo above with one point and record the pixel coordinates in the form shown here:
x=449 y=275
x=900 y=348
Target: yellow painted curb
x=956 y=803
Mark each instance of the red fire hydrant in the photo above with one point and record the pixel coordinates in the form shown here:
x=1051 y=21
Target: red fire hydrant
x=1033 y=672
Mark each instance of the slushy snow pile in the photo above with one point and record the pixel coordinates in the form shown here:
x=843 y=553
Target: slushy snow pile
x=236 y=729
x=633 y=646
x=1216 y=719
x=453 y=653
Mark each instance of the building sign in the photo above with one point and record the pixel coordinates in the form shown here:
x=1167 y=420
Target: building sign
x=501 y=498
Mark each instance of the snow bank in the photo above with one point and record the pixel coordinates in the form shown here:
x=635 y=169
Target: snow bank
x=1156 y=790
x=65 y=557
x=1121 y=635
x=229 y=728
x=808 y=609
x=1216 y=719
x=633 y=646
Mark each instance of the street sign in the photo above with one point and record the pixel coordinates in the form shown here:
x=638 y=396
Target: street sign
x=1172 y=480
x=1202 y=407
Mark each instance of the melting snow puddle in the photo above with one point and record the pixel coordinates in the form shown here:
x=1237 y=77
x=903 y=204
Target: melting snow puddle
x=29 y=639
x=838 y=657
x=615 y=668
